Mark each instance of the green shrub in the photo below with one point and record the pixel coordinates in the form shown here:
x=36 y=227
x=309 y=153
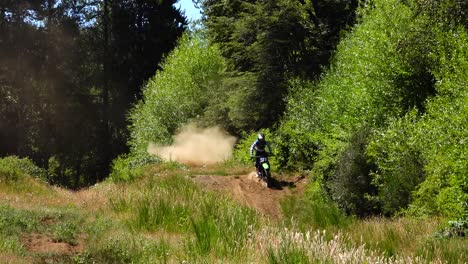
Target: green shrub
x=9 y=174
x=402 y=75
x=399 y=164
x=13 y=168
x=458 y=228
x=351 y=185
x=294 y=149
x=129 y=167
x=442 y=131
x=177 y=94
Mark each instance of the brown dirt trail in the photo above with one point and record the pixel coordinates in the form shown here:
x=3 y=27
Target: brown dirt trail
x=250 y=191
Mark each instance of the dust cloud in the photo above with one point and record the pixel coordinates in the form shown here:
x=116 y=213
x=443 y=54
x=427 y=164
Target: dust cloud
x=196 y=146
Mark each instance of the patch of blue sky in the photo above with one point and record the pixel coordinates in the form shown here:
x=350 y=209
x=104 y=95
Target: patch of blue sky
x=191 y=12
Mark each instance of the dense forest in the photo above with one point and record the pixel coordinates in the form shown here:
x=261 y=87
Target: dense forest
x=70 y=71
x=368 y=98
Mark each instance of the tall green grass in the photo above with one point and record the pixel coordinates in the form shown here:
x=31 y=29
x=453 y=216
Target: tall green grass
x=204 y=227
x=288 y=253
x=313 y=210
x=210 y=223
x=408 y=236
x=125 y=247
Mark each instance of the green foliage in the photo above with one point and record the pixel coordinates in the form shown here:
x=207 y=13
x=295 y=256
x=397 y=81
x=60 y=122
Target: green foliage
x=313 y=209
x=129 y=167
x=265 y=43
x=297 y=146
x=457 y=228
x=430 y=149
x=177 y=94
x=175 y=204
x=13 y=168
x=403 y=76
x=288 y=253
x=350 y=186
x=399 y=163
x=241 y=107
x=442 y=131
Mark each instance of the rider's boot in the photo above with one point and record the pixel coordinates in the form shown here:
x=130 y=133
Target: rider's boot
x=257 y=172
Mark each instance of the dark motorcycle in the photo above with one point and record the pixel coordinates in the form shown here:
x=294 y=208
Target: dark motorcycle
x=264 y=170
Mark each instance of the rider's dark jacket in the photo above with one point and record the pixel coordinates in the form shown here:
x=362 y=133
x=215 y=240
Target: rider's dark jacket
x=259 y=147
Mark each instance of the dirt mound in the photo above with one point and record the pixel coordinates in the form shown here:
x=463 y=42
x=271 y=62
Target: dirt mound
x=39 y=243
x=251 y=191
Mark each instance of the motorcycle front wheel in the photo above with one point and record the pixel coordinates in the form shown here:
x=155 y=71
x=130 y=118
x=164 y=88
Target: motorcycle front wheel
x=267 y=178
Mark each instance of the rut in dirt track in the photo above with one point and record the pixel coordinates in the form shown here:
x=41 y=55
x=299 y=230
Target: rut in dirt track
x=248 y=190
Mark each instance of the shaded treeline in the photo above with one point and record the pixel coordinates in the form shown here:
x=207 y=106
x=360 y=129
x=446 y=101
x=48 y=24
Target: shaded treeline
x=69 y=72
x=267 y=43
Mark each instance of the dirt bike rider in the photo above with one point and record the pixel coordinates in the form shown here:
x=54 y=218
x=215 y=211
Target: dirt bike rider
x=259 y=146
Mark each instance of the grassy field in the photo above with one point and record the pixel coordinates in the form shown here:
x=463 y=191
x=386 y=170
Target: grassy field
x=165 y=217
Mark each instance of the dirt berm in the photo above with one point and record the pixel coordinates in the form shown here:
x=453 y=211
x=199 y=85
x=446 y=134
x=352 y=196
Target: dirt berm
x=252 y=192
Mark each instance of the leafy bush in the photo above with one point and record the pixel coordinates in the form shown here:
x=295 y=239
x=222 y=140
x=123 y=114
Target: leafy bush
x=177 y=94
x=402 y=75
x=351 y=186
x=442 y=131
x=293 y=149
x=129 y=167
x=399 y=164
x=13 y=168
x=457 y=228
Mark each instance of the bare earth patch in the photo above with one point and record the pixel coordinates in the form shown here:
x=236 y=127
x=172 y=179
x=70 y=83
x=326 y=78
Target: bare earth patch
x=38 y=243
x=248 y=190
